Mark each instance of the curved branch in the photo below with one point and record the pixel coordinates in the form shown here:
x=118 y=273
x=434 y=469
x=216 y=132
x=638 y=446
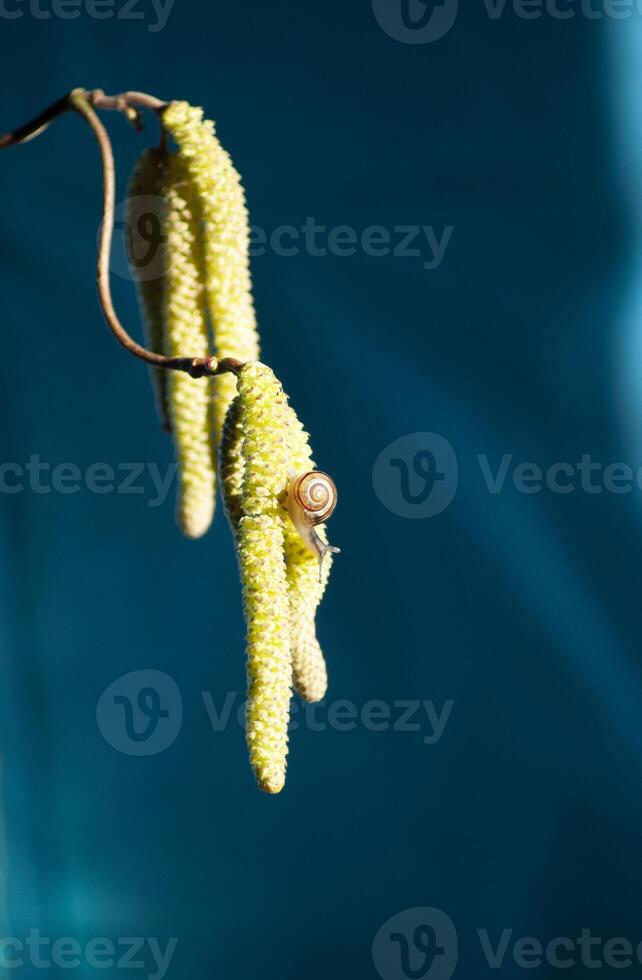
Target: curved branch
x=196 y=366
x=83 y=102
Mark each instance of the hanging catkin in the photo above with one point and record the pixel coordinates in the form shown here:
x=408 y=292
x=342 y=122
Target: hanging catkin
x=263 y=444
x=225 y=245
x=185 y=331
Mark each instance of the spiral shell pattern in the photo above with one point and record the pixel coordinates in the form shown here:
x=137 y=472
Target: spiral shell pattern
x=316 y=494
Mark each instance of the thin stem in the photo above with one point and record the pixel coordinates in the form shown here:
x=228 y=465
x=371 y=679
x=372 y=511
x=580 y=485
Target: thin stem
x=83 y=102
x=129 y=103
x=101 y=101
x=125 y=102
x=37 y=125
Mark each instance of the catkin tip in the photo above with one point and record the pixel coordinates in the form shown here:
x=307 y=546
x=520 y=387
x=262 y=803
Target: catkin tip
x=272 y=786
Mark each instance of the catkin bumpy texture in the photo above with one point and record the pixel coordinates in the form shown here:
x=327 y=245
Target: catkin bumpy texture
x=186 y=333
x=225 y=245
x=260 y=545
x=263 y=442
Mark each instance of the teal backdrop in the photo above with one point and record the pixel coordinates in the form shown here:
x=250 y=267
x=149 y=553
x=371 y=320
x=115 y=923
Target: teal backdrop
x=472 y=305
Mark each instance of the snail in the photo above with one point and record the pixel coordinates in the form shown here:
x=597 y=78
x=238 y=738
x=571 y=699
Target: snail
x=310 y=500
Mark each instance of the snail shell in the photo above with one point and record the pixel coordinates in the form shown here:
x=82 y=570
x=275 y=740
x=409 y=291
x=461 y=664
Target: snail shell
x=316 y=495
x=310 y=500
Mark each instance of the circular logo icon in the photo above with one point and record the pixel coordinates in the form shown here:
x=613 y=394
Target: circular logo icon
x=416 y=944
x=413 y=21
x=140 y=713
x=138 y=241
x=416 y=476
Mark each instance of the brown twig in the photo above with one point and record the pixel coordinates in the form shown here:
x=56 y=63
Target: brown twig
x=37 y=125
x=129 y=103
x=124 y=99
x=84 y=103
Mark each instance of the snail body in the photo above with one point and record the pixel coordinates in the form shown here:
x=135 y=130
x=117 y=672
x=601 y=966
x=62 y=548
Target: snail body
x=310 y=500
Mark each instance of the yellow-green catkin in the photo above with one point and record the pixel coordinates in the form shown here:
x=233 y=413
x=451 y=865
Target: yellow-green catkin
x=186 y=334
x=225 y=244
x=305 y=590
x=145 y=201
x=269 y=670
x=263 y=414
x=309 y=672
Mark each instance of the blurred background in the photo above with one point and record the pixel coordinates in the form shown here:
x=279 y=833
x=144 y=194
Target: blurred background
x=479 y=753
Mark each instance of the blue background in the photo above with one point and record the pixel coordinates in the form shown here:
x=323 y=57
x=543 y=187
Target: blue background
x=523 y=609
